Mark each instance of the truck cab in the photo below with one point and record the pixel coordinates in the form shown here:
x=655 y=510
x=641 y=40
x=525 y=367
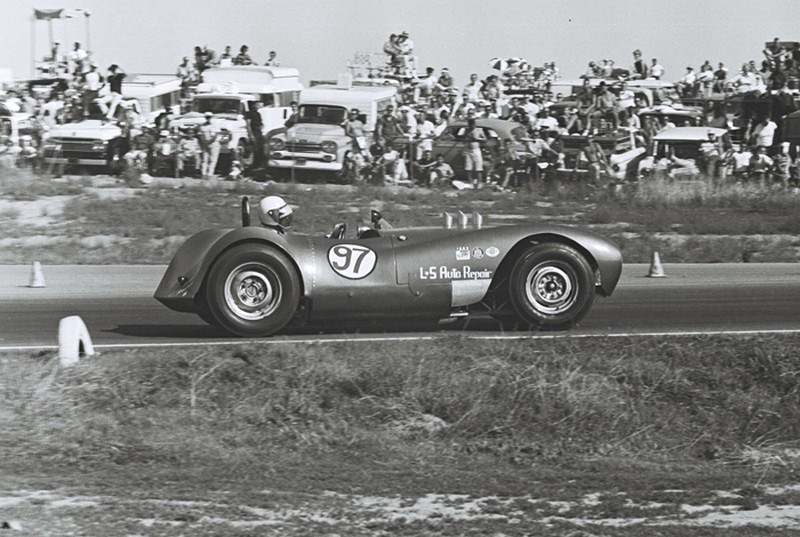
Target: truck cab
x=317 y=139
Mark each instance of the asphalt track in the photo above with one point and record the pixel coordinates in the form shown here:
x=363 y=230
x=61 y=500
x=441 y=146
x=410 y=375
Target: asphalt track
x=117 y=306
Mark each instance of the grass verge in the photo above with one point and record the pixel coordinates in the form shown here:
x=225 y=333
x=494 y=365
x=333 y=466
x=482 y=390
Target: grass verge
x=649 y=425
x=686 y=221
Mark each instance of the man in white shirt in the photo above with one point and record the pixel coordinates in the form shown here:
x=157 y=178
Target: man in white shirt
x=92 y=82
x=764 y=133
x=472 y=91
x=78 y=58
x=656 y=70
x=686 y=85
x=425 y=134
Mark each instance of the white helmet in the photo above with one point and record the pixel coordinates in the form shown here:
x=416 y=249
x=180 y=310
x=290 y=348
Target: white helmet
x=273 y=211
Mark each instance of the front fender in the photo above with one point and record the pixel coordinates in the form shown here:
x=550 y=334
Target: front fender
x=187 y=271
x=604 y=256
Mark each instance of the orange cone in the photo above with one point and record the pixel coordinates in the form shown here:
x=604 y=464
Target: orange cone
x=37 y=278
x=656 y=270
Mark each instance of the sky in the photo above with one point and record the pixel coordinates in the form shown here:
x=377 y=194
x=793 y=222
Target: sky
x=319 y=37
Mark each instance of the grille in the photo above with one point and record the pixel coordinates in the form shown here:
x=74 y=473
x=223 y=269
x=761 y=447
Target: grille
x=69 y=146
x=303 y=147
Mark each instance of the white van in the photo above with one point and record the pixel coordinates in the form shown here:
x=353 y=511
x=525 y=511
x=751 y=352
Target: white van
x=274 y=87
x=155 y=93
x=317 y=140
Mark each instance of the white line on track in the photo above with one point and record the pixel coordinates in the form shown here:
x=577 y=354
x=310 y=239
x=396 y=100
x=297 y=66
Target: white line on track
x=375 y=339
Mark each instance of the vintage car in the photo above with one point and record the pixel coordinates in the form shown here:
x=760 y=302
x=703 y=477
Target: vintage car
x=254 y=280
x=677 y=114
x=317 y=141
x=92 y=143
x=620 y=147
x=451 y=143
x=681 y=142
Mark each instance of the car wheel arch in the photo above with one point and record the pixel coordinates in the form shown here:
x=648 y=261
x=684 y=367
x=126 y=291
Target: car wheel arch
x=249 y=241
x=507 y=264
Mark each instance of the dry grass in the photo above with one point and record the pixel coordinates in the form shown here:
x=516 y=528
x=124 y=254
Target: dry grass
x=696 y=398
x=528 y=427
x=687 y=221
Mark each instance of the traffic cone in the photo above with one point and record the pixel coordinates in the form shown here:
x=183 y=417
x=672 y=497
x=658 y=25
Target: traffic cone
x=37 y=278
x=656 y=270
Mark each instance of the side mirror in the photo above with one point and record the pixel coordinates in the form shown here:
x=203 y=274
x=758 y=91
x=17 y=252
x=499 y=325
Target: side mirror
x=245 y=211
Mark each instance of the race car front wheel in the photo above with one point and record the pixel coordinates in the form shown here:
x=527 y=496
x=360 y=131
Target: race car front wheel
x=551 y=287
x=253 y=290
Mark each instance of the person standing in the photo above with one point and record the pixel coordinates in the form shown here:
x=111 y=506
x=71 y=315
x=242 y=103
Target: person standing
x=764 y=133
x=108 y=104
x=720 y=78
x=187 y=74
x=473 y=153
x=387 y=128
x=640 y=70
x=92 y=82
x=354 y=128
x=78 y=58
x=711 y=152
x=210 y=144
x=255 y=125
x=472 y=91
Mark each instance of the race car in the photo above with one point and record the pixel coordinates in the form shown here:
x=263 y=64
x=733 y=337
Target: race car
x=254 y=280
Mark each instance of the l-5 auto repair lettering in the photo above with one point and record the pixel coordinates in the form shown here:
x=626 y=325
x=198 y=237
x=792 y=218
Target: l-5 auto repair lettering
x=447 y=273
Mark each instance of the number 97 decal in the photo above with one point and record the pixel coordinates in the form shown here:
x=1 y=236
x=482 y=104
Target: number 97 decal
x=352 y=261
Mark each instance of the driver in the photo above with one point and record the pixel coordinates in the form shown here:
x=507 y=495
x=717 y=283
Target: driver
x=274 y=212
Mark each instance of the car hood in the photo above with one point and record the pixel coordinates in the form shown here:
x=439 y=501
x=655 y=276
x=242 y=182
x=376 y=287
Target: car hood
x=91 y=128
x=195 y=119
x=313 y=130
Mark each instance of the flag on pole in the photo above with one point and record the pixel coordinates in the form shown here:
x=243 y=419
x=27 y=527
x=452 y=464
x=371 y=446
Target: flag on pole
x=47 y=14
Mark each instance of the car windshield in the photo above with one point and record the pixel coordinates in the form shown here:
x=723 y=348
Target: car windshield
x=683 y=149
x=326 y=115
x=216 y=106
x=667 y=94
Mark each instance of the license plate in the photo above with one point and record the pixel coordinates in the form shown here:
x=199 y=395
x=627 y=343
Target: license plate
x=300 y=162
x=72 y=160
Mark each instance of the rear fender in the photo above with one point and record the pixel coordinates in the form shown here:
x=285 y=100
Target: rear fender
x=186 y=274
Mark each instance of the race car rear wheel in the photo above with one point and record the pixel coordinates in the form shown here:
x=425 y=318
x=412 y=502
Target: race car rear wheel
x=551 y=287
x=253 y=290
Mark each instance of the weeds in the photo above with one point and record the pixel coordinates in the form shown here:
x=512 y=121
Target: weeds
x=698 y=398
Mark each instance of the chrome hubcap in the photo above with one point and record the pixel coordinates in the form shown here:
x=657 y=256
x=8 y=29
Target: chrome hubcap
x=252 y=294
x=550 y=289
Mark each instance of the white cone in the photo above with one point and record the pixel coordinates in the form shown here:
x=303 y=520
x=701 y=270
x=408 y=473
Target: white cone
x=37 y=277
x=656 y=270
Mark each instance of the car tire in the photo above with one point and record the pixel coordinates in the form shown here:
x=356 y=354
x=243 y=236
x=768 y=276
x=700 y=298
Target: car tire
x=252 y=290
x=551 y=287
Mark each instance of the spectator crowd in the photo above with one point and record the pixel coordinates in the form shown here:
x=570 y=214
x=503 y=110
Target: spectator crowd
x=400 y=150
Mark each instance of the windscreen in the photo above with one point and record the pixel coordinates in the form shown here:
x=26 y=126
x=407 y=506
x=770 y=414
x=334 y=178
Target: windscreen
x=216 y=106
x=326 y=115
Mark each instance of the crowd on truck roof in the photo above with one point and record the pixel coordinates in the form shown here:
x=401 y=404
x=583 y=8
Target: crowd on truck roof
x=606 y=97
